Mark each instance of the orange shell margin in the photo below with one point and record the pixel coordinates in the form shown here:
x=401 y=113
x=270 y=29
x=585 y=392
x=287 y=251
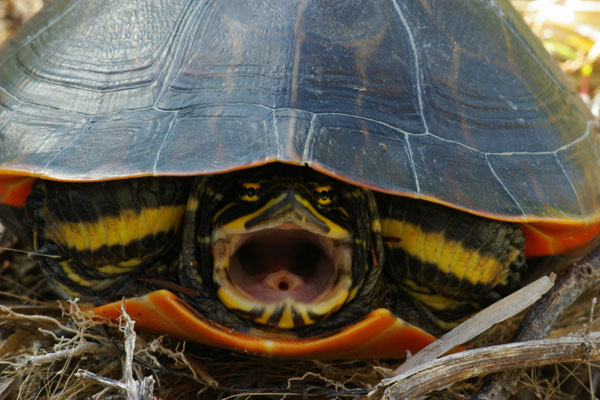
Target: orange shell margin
x=378 y=335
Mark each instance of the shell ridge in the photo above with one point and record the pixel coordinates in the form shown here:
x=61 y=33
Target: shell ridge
x=164 y=142
x=308 y=140
x=505 y=153
x=276 y=132
x=375 y=121
x=586 y=134
x=418 y=77
x=579 y=203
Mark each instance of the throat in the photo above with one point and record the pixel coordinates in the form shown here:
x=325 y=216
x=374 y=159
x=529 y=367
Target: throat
x=282 y=265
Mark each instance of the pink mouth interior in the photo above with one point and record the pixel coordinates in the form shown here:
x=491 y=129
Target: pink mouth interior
x=275 y=264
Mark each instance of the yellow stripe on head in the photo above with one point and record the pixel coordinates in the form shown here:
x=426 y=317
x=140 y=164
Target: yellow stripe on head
x=335 y=231
x=238 y=225
x=220 y=212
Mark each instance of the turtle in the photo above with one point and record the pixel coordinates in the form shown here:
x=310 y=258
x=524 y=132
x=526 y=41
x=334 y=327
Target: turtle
x=304 y=179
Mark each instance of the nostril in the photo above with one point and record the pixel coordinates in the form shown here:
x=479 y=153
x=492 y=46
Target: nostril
x=283 y=286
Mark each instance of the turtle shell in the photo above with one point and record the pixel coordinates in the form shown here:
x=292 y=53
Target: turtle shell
x=453 y=102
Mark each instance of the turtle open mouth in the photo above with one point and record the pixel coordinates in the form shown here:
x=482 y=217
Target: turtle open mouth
x=283 y=276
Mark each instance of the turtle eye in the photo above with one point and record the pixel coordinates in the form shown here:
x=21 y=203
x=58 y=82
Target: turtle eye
x=250 y=191
x=324 y=195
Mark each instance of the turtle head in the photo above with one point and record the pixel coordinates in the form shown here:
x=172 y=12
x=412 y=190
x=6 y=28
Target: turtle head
x=282 y=247
x=282 y=250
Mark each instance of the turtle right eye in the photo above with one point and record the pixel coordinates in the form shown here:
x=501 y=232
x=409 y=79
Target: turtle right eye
x=324 y=195
x=250 y=191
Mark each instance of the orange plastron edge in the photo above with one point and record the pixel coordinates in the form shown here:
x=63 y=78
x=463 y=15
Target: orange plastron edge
x=546 y=239
x=378 y=335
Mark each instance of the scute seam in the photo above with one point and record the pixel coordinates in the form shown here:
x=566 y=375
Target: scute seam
x=308 y=141
x=579 y=203
x=503 y=185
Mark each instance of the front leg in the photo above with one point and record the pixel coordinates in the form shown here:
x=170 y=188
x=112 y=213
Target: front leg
x=443 y=264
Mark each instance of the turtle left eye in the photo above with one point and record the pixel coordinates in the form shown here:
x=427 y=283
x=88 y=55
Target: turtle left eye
x=250 y=191
x=324 y=195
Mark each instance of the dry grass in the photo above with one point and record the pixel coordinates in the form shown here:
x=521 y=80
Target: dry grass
x=52 y=350
x=57 y=352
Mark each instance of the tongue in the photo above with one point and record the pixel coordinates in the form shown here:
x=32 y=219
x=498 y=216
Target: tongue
x=283 y=280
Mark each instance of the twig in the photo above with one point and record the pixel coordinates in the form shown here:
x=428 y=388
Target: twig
x=467 y=364
x=10 y=314
x=481 y=322
x=82 y=373
x=81 y=348
x=135 y=390
x=588 y=330
x=591 y=318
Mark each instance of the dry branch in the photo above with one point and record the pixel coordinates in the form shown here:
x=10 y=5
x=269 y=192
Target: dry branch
x=450 y=369
x=480 y=322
